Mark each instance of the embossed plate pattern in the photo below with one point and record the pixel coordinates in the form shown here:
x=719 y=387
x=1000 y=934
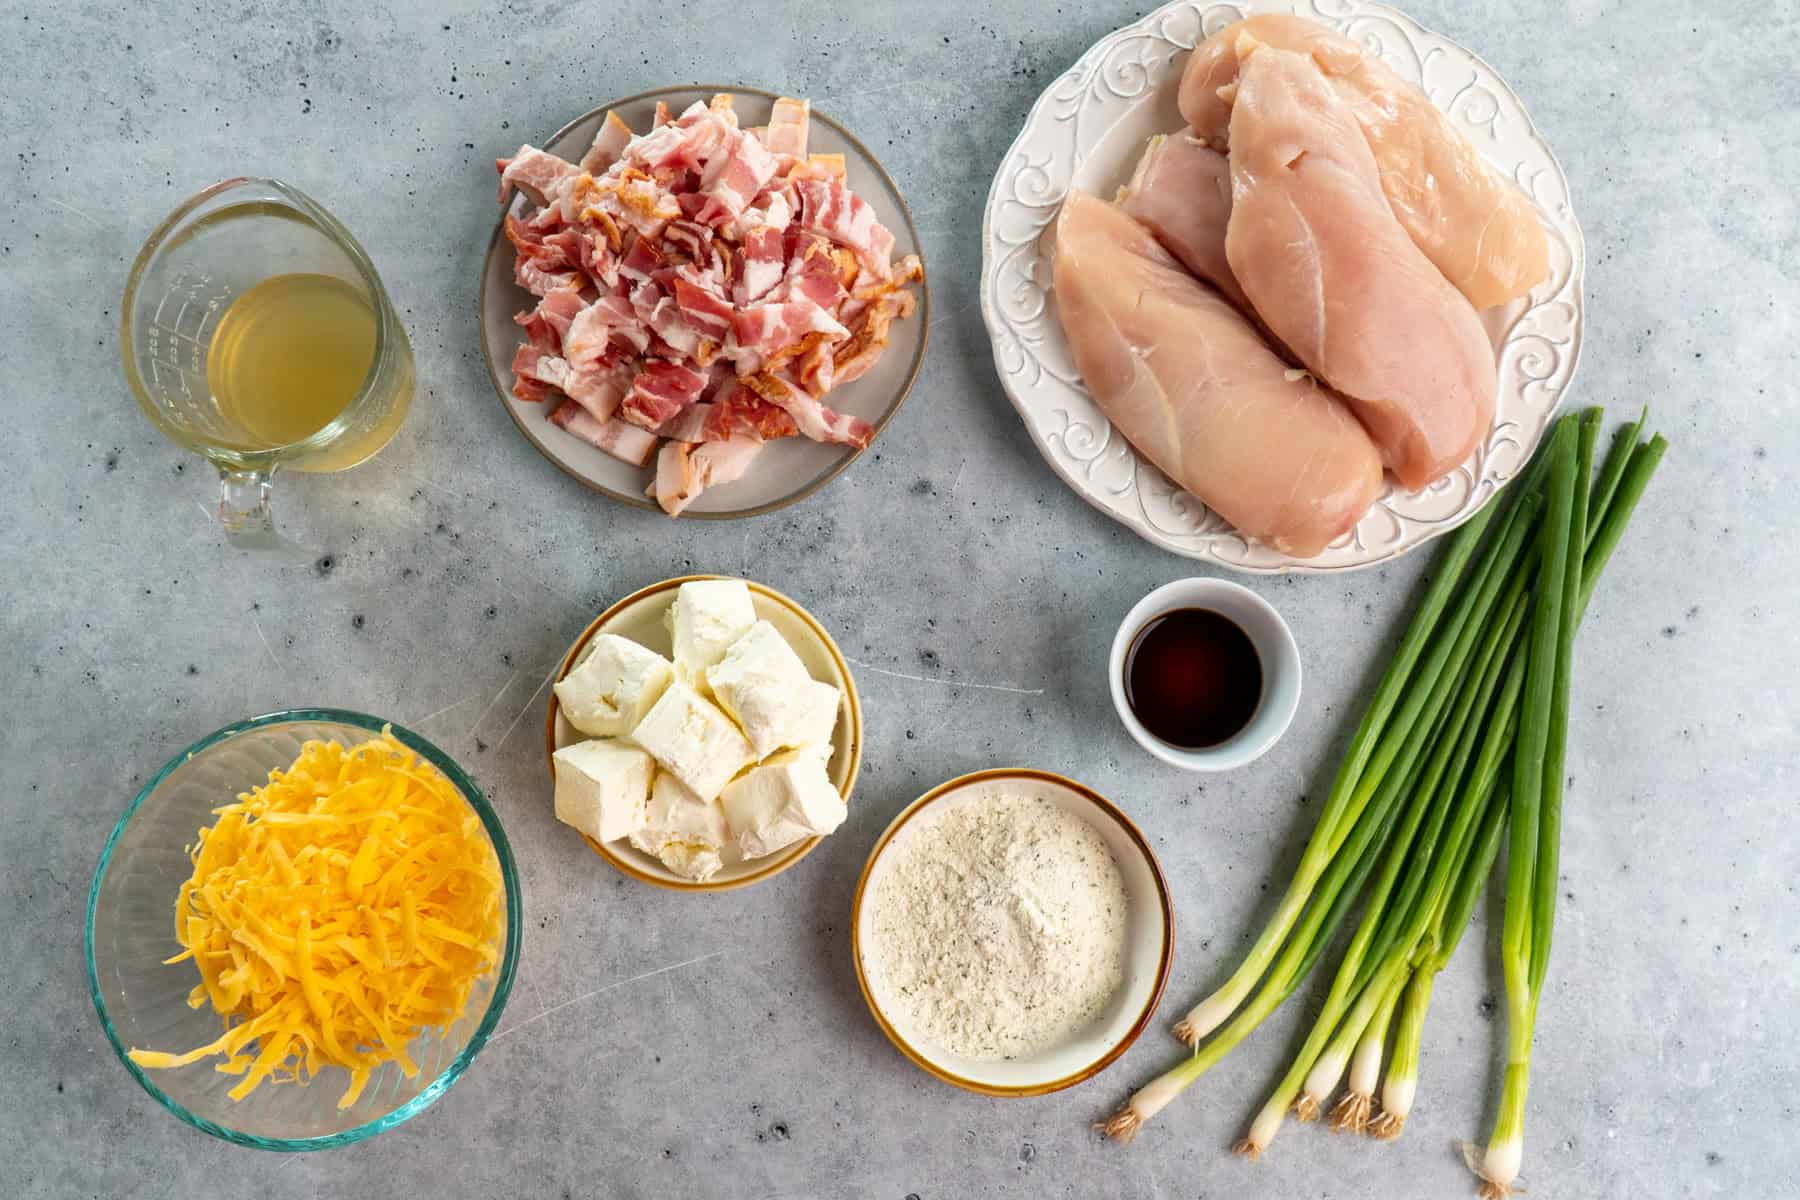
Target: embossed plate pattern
x=1086 y=131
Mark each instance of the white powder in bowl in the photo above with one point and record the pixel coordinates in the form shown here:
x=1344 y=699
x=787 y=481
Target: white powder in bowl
x=998 y=927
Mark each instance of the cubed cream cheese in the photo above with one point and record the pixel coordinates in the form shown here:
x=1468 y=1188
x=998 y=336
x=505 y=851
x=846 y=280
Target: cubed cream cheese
x=685 y=832
x=693 y=740
x=601 y=787
x=763 y=686
x=707 y=616
x=613 y=686
x=781 y=802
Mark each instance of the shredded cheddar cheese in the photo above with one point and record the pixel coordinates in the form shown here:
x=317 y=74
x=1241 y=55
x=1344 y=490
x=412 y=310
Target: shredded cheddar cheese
x=334 y=914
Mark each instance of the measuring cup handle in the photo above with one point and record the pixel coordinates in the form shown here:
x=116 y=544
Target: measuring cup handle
x=245 y=513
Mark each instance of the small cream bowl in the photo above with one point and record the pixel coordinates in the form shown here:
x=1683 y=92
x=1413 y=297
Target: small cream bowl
x=1275 y=648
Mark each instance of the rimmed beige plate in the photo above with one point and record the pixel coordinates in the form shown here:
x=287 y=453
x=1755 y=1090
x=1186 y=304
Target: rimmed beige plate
x=639 y=617
x=786 y=471
x=1150 y=941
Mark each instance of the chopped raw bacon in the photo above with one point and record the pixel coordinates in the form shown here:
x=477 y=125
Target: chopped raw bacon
x=659 y=391
x=820 y=166
x=626 y=443
x=868 y=339
x=684 y=470
x=705 y=312
x=548 y=324
x=540 y=175
x=642 y=261
x=702 y=282
x=764 y=331
x=587 y=250
x=764 y=263
x=598 y=388
x=539 y=282
x=812 y=273
x=610 y=141
x=815 y=368
x=661 y=117
x=788 y=122
x=743 y=413
x=814 y=420
x=690 y=424
x=690 y=238
x=733 y=177
x=683 y=146
x=847 y=219
x=533 y=365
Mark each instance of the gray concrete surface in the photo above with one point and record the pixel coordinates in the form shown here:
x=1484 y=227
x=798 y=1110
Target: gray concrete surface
x=660 y=1046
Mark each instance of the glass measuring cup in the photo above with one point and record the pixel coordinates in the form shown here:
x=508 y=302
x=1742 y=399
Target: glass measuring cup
x=222 y=242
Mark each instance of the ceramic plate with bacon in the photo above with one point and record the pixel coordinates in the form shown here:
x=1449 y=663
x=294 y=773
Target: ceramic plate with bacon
x=704 y=300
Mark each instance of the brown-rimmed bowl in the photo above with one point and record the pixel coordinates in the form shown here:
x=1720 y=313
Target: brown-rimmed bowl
x=1150 y=941
x=639 y=617
x=785 y=471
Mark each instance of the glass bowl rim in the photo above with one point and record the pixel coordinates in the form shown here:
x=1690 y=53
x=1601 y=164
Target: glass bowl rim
x=490 y=820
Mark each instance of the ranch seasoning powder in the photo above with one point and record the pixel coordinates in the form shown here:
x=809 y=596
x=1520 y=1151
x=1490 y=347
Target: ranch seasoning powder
x=998 y=928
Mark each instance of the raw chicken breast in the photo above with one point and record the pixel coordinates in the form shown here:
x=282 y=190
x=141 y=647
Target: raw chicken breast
x=1185 y=378
x=1181 y=192
x=1331 y=272
x=1478 y=229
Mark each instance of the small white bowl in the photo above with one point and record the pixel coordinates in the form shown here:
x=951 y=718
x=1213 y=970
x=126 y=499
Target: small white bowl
x=1275 y=647
x=1149 y=948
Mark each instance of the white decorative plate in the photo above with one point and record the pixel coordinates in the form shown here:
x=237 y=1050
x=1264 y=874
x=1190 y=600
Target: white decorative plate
x=1086 y=131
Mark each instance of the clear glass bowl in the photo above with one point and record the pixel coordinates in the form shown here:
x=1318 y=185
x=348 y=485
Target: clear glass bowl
x=143 y=1003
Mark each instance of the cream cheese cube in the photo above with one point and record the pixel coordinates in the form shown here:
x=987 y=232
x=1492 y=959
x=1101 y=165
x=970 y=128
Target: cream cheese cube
x=707 y=616
x=601 y=787
x=613 y=686
x=763 y=686
x=685 y=832
x=815 y=714
x=785 y=800
x=693 y=741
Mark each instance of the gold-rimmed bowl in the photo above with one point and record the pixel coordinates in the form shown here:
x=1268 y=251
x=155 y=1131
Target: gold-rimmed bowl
x=1149 y=942
x=786 y=471
x=639 y=617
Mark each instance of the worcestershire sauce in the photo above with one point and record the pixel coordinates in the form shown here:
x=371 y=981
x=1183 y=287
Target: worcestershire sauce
x=1193 y=678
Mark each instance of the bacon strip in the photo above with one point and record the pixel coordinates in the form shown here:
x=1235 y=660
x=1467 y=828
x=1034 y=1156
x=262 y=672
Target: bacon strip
x=624 y=442
x=814 y=420
x=659 y=391
x=789 y=121
x=537 y=173
x=734 y=177
x=610 y=141
x=847 y=219
x=703 y=311
x=684 y=470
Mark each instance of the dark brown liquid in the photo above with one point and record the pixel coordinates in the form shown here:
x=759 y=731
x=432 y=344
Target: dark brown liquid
x=1193 y=678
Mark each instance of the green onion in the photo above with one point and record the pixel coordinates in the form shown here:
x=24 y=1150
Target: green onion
x=1552 y=625
x=1351 y=1114
x=1483 y=672
x=1211 y=1012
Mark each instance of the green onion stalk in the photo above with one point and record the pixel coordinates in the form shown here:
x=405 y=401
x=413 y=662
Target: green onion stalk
x=1573 y=551
x=1351 y=1115
x=1450 y=919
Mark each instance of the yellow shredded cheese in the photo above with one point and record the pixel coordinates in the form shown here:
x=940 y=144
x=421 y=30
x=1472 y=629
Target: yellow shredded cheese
x=335 y=913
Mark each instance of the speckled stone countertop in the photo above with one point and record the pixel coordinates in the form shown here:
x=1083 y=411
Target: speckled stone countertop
x=658 y=1045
